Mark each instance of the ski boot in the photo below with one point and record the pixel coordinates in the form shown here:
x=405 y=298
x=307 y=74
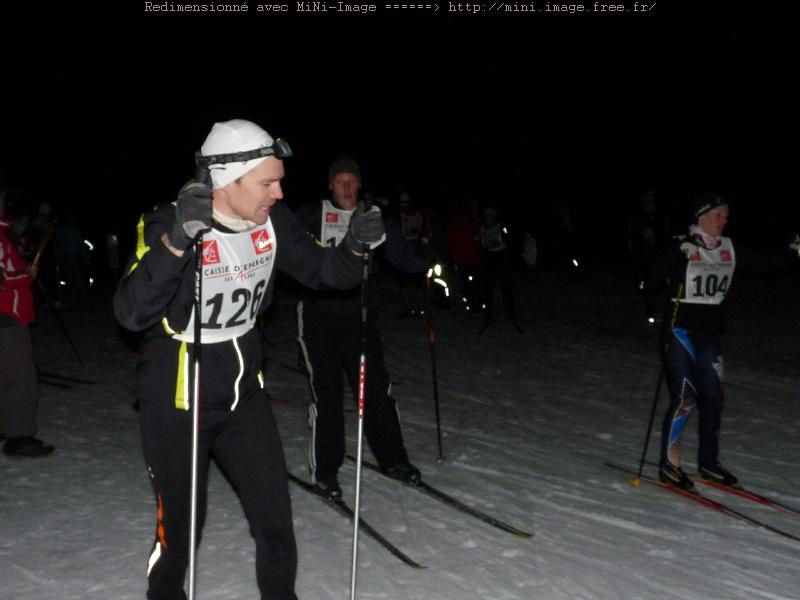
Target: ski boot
x=329 y=487
x=670 y=474
x=716 y=472
x=405 y=472
x=26 y=447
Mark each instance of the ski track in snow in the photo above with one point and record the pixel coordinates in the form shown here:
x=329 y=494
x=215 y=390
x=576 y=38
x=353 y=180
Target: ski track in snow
x=527 y=421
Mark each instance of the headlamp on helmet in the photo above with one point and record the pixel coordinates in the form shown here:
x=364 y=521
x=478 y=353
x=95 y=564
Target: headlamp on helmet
x=233 y=148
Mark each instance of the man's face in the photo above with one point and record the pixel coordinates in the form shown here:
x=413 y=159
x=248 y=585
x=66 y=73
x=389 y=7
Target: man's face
x=713 y=222
x=344 y=188
x=252 y=195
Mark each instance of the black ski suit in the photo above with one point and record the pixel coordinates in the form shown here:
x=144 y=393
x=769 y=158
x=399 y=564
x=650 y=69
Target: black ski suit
x=699 y=280
x=329 y=332
x=237 y=426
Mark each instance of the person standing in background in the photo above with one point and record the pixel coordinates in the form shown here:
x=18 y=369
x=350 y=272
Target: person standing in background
x=329 y=332
x=19 y=393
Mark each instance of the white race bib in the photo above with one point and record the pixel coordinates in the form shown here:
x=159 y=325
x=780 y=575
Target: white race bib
x=709 y=274
x=236 y=270
x=335 y=222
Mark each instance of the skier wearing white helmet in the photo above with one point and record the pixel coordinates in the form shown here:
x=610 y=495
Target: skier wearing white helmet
x=248 y=234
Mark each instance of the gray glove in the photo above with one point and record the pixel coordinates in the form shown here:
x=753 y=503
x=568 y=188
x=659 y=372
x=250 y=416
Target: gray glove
x=192 y=214
x=366 y=227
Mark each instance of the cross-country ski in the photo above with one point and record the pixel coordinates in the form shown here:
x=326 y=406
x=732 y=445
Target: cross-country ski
x=453 y=502
x=699 y=498
x=345 y=509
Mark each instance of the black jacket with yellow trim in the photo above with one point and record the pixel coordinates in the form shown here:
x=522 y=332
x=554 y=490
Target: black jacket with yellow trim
x=157 y=284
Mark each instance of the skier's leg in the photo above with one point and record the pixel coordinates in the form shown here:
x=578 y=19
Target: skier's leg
x=488 y=279
x=167 y=444
x=679 y=368
x=249 y=451
x=20 y=395
x=507 y=286
x=381 y=422
x=321 y=347
x=709 y=400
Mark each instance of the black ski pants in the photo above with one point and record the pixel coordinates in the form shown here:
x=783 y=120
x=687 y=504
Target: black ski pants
x=694 y=378
x=331 y=342
x=19 y=394
x=496 y=269
x=245 y=444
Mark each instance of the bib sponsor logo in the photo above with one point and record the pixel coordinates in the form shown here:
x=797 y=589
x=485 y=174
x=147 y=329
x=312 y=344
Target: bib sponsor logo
x=331 y=217
x=695 y=257
x=261 y=241
x=210 y=252
x=725 y=255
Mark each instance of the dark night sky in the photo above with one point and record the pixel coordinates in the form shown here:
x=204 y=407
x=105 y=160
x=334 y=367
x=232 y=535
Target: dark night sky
x=522 y=111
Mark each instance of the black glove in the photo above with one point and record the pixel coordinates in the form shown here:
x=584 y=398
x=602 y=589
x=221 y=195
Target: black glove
x=192 y=214
x=366 y=227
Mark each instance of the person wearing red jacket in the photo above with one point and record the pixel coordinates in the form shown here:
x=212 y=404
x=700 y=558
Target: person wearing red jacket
x=19 y=395
x=464 y=251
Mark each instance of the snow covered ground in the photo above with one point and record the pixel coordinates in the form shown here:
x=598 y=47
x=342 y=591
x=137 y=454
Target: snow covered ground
x=529 y=421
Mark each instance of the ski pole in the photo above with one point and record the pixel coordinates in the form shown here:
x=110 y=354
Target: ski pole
x=194 y=385
x=60 y=321
x=37 y=259
x=636 y=481
x=432 y=344
x=362 y=386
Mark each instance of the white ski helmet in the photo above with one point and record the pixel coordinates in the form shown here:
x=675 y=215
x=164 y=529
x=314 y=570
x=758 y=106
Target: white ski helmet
x=228 y=137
